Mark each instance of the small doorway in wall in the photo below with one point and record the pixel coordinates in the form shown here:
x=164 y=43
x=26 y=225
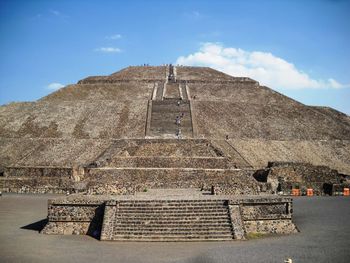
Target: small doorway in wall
x=279 y=187
x=327 y=189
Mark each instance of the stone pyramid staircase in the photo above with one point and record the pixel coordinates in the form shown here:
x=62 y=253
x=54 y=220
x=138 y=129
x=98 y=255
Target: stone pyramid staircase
x=168 y=220
x=163 y=118
x=129 y=166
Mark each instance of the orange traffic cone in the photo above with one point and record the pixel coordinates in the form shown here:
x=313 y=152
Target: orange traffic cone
x=309 y=192
x=346 y=192
x=295 y=192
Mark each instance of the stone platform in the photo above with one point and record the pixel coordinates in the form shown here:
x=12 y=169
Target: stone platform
x=170 y=215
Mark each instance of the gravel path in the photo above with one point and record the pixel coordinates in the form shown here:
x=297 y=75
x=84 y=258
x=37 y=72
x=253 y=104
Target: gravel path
x=324 y=223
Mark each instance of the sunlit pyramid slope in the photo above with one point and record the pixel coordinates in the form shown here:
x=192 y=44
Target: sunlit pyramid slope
x=136 y=123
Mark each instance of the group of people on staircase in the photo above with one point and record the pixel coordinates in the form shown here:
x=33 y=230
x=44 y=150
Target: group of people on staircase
x=178 y=122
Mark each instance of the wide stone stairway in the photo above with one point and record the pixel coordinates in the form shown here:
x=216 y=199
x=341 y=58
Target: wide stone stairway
x=169 y=220
x=164 y=118
x=170 y=214
x=129 y=166
x=170 y=110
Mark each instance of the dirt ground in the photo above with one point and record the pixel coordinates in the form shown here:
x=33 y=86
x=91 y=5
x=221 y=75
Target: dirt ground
x=324 y=223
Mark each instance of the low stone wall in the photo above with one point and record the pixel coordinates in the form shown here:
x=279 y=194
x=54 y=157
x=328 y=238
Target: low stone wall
x=268 y=215
x=37 y=172
x=129 y=181
x=285 y=176
x=37 y=180
x=125 y=180
x=75 y=217
x=85 y=215
x=171 y=162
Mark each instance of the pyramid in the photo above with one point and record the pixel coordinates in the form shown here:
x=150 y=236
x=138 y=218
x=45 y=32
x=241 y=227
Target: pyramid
x=150 y=127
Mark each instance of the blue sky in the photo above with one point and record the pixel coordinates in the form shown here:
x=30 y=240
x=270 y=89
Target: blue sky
x=300 y=48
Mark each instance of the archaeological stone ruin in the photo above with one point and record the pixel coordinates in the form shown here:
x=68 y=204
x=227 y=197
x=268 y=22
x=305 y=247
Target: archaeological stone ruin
x=172 y=153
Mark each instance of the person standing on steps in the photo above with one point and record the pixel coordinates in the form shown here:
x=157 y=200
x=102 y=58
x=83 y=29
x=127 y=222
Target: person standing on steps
x=177 y=120
x=178 y=134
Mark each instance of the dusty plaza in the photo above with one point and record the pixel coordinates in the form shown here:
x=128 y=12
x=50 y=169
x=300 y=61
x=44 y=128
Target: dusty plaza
x=323 y=223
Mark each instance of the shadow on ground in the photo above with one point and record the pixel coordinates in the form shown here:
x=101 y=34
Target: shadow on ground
x=36 y=226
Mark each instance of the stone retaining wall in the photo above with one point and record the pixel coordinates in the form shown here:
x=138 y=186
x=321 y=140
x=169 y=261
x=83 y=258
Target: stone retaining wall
x=37 y=180
x=37 y=172
x=74 y=218
x=285 y=176
x=129 y=181
x=84 y=214
x=268 y=215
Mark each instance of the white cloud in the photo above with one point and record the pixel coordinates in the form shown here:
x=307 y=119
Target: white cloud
x=195 y=15
x=114 y=37
x=108 y=50
x=264 y=67
x=54 y=86
x=55 y=12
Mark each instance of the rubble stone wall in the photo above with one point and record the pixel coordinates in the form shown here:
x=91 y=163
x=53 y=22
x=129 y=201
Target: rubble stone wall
x=37 y=172
x=70 y=218
x=36 y=180
x=268 y=215
x=302 y=176
x=129 y=181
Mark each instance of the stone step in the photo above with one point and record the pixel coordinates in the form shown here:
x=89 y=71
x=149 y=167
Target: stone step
x=171 y=220
x=169 y=125
x=177 y=212
x=173 y=227
x=181 y=217
x=174 y=233
x=159 y=203
x=171 y=224
x=169 y=117
x=226 y=227
x=163 y=110
x=166 y=105
x=173 y=205
x=169 y=162
x=170 y=122
x=175 y=220
x=165 y=126
x=211 y=225
x=180 y=202
x=170 y=101
x=172 y=238
x=164 y=114
x=174 y=216
x=197 y=207
x=172 y=210
x=170 y=132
